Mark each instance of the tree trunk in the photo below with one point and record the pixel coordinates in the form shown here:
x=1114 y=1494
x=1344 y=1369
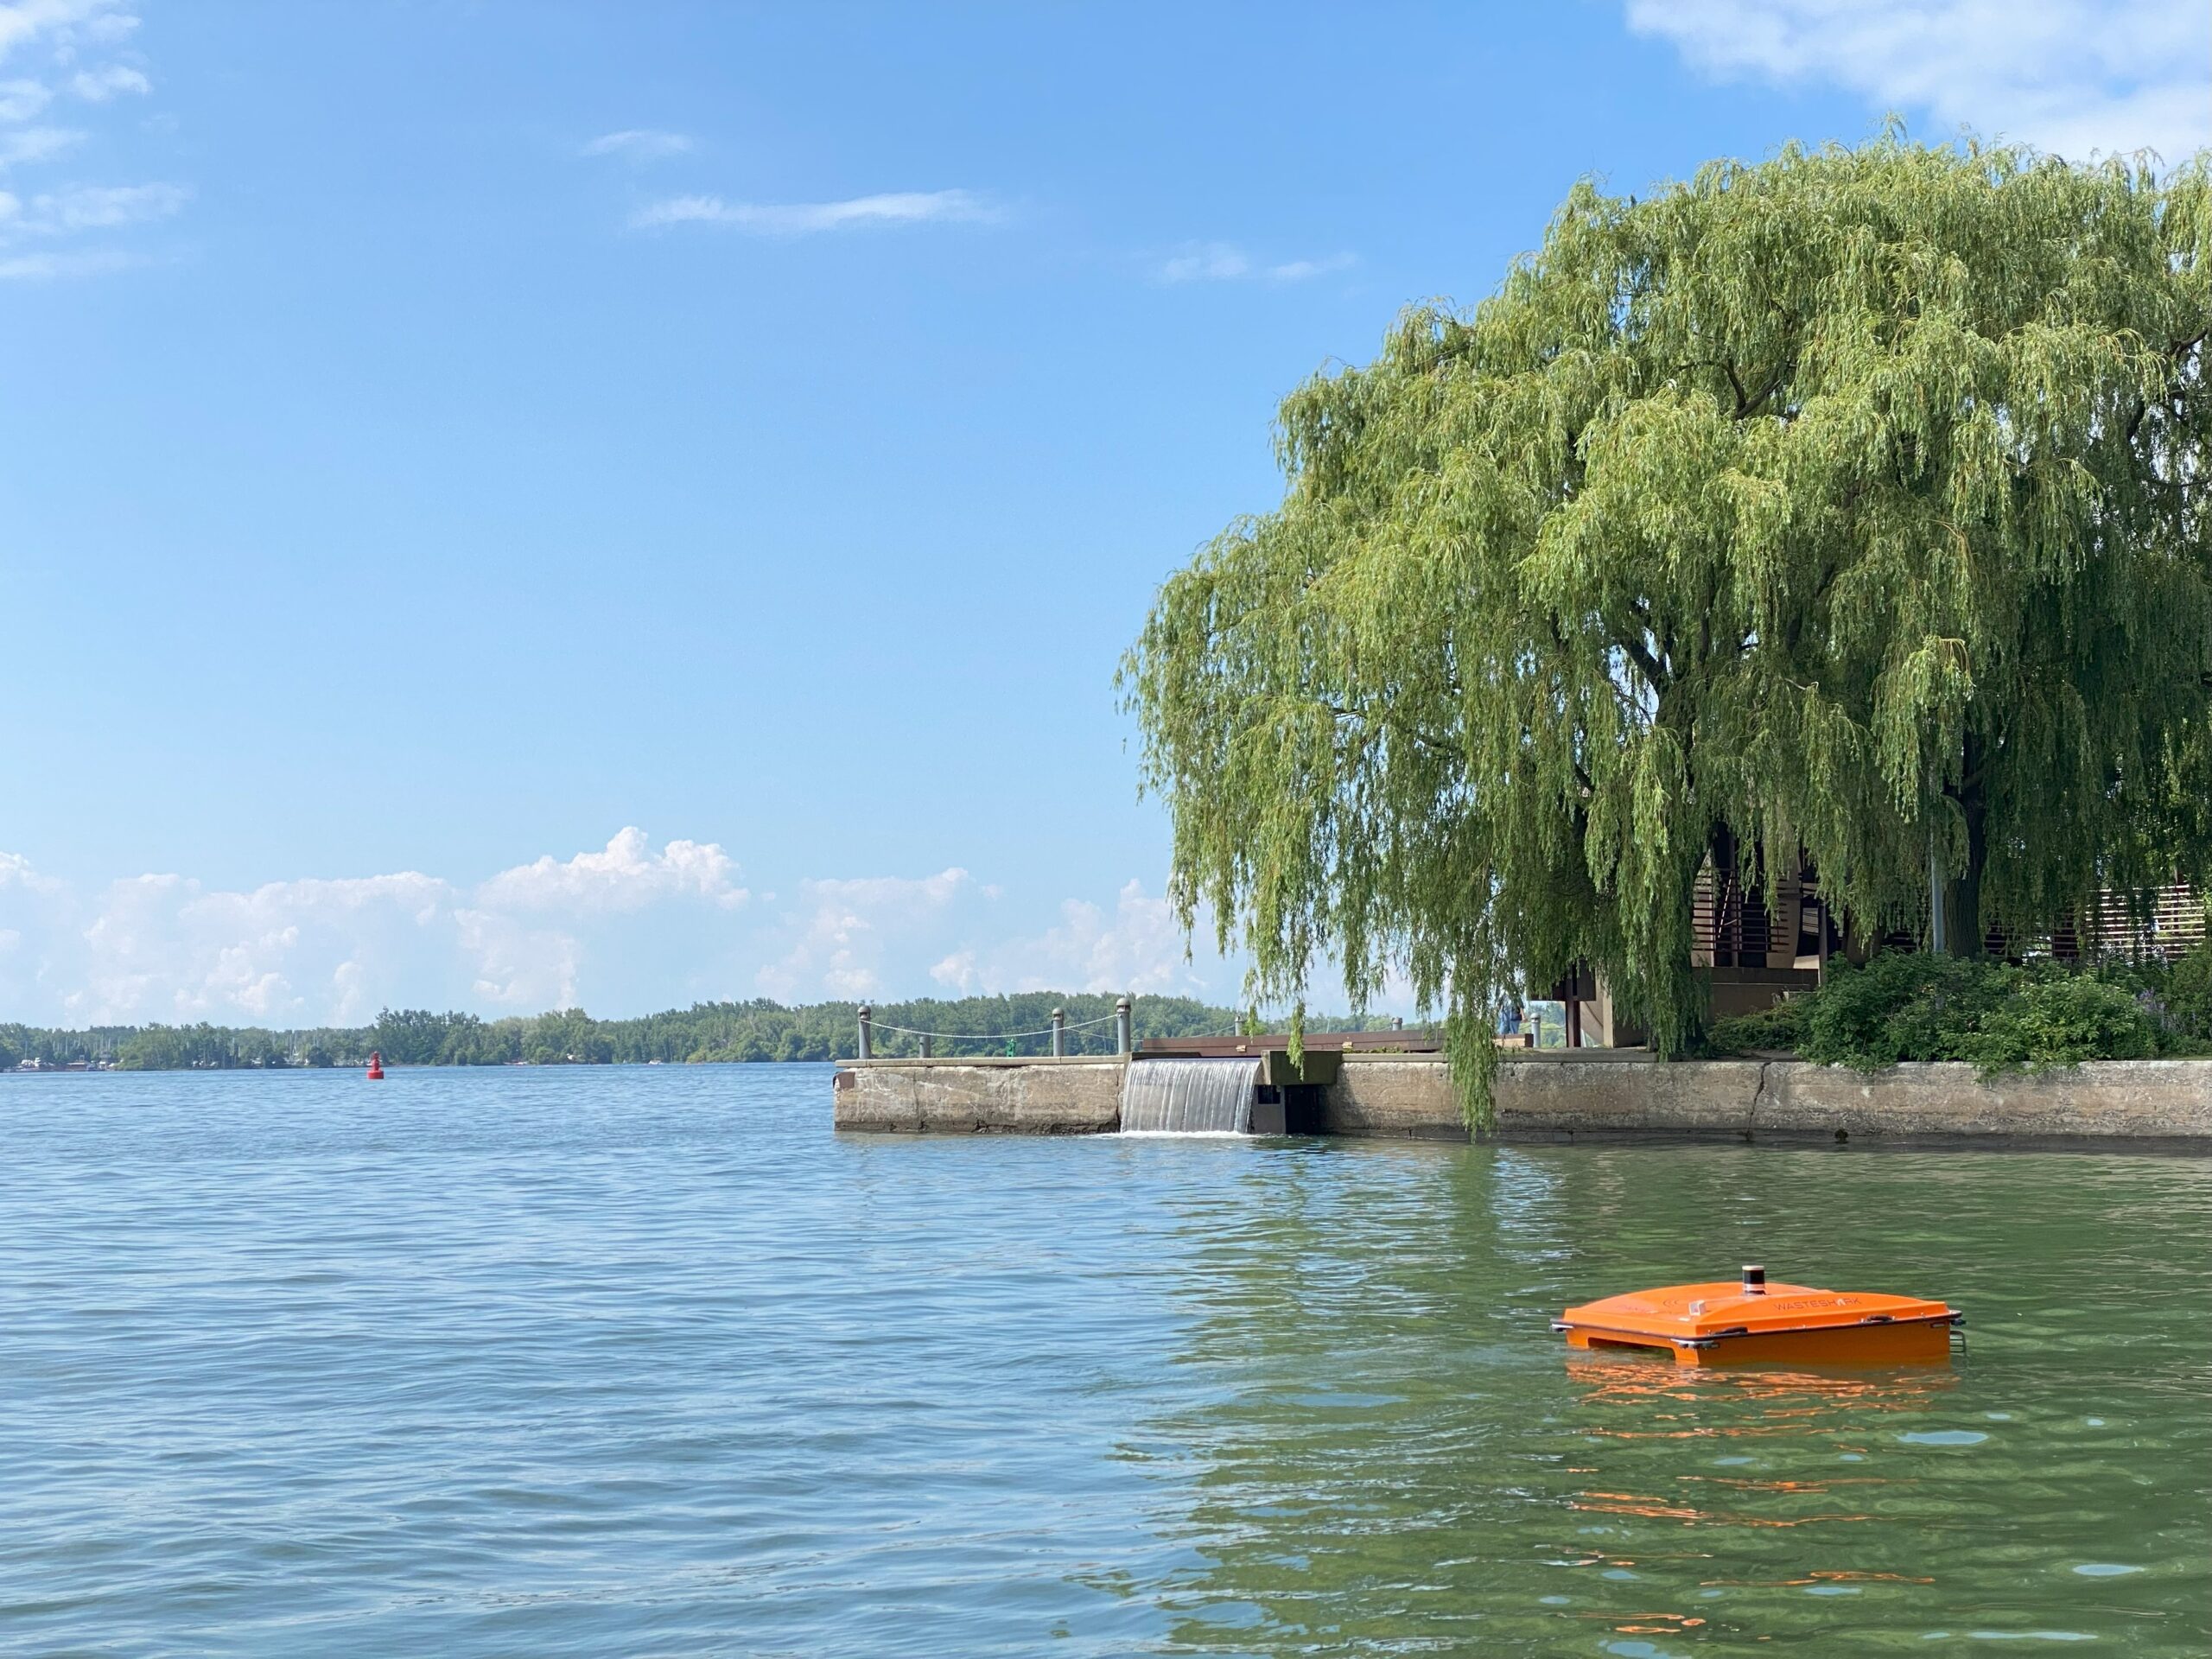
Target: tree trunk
x=1962 y=893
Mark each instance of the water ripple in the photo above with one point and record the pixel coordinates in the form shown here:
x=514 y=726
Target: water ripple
x=647 y=1361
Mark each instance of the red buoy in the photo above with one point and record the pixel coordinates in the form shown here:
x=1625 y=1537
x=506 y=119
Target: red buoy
x=376 y=1062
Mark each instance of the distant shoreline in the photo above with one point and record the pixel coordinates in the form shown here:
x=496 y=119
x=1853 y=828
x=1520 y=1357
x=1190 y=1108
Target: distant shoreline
x=102 y=1070
x=755 y=1031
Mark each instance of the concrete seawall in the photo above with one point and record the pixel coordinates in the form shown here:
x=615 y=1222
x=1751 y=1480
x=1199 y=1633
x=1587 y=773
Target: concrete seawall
x=1618 y=1096
x=1036 y=1096
x=1756 y=1099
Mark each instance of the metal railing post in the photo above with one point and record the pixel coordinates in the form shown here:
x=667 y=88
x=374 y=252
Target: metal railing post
x=1059 y=1033
x=867 y=1031
x=927 y=1045
x=1124 y=1037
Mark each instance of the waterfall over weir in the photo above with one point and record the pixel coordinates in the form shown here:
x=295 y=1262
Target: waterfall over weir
x=1189 y=1096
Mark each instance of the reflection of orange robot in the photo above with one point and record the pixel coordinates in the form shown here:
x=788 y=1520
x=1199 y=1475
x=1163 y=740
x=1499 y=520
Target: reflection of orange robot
x=1756 y=1323
x=1788 y=1403
x=1788 y=1395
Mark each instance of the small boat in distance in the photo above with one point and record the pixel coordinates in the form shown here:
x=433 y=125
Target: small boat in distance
x=1754 y=1322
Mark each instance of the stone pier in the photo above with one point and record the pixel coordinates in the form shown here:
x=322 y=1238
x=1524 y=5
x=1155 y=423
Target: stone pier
x=1080 y=1095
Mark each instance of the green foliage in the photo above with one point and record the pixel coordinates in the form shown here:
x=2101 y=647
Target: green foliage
x=2187 y=994
x=1903 y=1005
x=1781 y=1027
x=758 y=1030
x=1853 y=501
x=174 y=1048
x=2063 y=1021
x=1912 y=1006
x=165 y=1048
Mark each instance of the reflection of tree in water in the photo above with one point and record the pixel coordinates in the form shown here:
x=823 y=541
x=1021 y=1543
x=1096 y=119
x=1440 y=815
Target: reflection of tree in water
x=1387 y=1449
x=1362 y=1384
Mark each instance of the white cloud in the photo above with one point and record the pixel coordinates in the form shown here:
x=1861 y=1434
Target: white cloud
x=1297 y=270
x=98 y=86
x=162 y=947
x=626 y=929
x=638 y=145
x=1224 y=262
x=1207 y=262
x=806 y=218
x=15 y=871
x=110 y=26
x=519 y=969
x=50 y=267
x=958 y=972
x=98 y=207
x=310 y=952
x=849 y=930
x=36 y=143
x=20 y=100
x=62 y=24
x=2068 y=76
x=95 y=212
x=1139 y=948
x=627 y=875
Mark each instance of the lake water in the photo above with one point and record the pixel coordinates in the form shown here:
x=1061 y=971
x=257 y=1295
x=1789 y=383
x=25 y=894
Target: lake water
x=647 y=1362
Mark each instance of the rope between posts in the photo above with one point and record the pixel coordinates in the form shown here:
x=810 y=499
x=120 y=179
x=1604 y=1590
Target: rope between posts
x=993 y=1036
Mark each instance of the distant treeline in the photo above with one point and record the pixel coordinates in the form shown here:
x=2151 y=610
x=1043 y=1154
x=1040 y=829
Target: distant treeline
x=758 y=1030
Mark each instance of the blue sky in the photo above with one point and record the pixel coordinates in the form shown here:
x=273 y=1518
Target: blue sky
x=514 y=503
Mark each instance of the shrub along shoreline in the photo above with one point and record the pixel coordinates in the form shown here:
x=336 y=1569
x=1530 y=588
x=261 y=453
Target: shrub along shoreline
x=1906 y=1006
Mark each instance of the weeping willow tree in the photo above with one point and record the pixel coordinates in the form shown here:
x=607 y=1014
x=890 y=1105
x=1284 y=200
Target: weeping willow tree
x=1852 y=502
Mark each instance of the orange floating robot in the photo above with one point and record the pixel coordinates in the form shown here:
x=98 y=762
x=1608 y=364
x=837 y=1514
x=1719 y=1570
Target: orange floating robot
x=1755 y=1322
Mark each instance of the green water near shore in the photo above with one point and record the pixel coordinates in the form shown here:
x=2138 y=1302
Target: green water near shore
x=634 y=1361
x=1402 y=1467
